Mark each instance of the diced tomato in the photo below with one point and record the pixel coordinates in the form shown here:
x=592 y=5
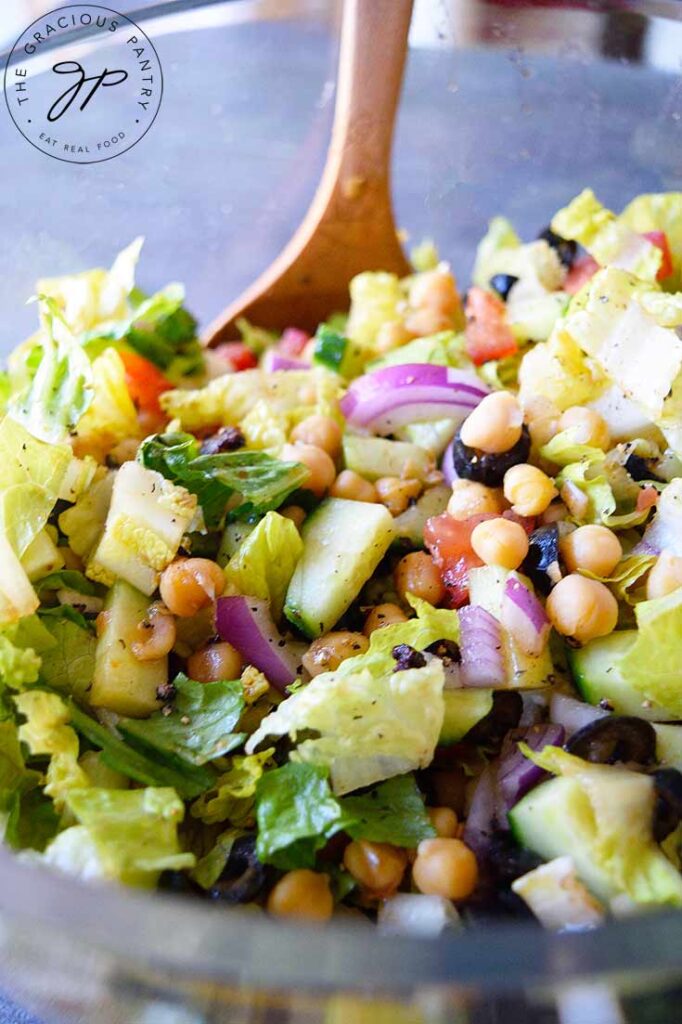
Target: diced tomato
x=647 y=497
x=293 y=341
x=580 y=273
x=488 y=335
x=237 y=354
x=449 y=541
x=660 y=240
x=145 y=382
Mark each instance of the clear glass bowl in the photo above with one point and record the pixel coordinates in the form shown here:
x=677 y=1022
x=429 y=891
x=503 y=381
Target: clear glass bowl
x=508 y=108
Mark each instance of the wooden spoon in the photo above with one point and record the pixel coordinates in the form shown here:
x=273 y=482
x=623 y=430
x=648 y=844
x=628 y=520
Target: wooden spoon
x=349 y=226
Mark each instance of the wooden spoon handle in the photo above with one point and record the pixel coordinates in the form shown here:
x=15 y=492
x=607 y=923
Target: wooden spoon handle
x=371 y=62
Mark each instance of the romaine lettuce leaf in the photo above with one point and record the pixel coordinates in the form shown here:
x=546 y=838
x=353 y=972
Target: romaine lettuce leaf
x=263 y=482
x=83 y=523
x=375 y=298
x=46 y=731
x=495 y=246
x=264 y=562
x=607 y=238
x=200 y=725
x=361 y=726
x=233 y=795
x=557 y=369
x=128 y=836
x=660 y=212
x=210 y=867
x=52 y=383
x=424 y=256
x=68 y=664
x=443 y=349
x=393 y=812
x=111 y=416
x=19 y=663
x=16 y=782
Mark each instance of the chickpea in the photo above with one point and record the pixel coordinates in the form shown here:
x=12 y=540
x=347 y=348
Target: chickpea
x=156 y=634
x=124 y=451
x=396 y=494
x=418 y=574
x=582 y=608
x=303 y=894
x=445 y=867
x=321 y=431
x=351 y=485
x=665 y=576
x=391 y=335
x=495 y=424
x=214 y=663
x=528 y=490
x=444 y=820
x=593 y=548
x=383 y=615
x=295 y=513
x=424 y=322
x=587 y=425
x=379 y=867
x=327 y=652
x=542 y=417
x=473 y=499
x=320 y=464
x=500 y=542
x=189 y=584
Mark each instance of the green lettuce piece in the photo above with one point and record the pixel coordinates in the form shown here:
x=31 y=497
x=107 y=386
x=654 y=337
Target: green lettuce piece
x=200 y=725
x=392 y=813
x=232 y=797
x=67 y=579
x=625 y=577
x=165 y=333
x=5 y=391
x=495 y=245
x=608 y=239
x=157 y=768
x=375 y=298
x=227 y=400
x=17 y=782
x=443 y=349
x=264 y=429
x=361 y=726
x=258 y=339
x=127 y=836
x=424 y=256
x=262 y=481
x=83 y=523
x=430 y=624
x=52 y=387
x=210 y=867
x=613 y=808
x=557 y=369
x=112 y=416
x=46 y=731
x=34 y=823
x=563 y=449
x=660 y=212
x=19 y=664
x=68 y=665
x=264 y=562
x=643 y=357
x=296 y=813
x=17 y=596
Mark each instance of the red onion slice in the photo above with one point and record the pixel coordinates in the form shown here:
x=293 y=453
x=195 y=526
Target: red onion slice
x=481 y=820
x=516 y=775
x=246 y=623
x=412 y=393
x=524 y=617
x=274 y=360
x=573 y=714
x=480 y=646
x=448 y=465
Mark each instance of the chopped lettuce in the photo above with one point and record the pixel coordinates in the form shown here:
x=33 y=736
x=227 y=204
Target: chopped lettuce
x=145 y=524
x=607 y=238
x=624 y=578
x=52 y=380
x=297 y=814
x=557 y=369
x=19 y=664
x=227 y=400
x=424 y=256
x=264 y=482
x=156 y=768
x=210 y=867
x=660 y=212
x=265 y=430
x=375 y=299
x=362 y=726
x=46 y=731
x=613 y=809
x=69 y=663
x=83 y=523
x=263 y=564
x=111 y=417
x=443 y=349
x=200 y=725
x=17 y=783
x=127 y=836
x=495 y=246
x=232 y=797
x=164 y=333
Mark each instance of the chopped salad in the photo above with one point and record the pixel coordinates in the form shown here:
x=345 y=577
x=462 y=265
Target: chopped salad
x=383 y=622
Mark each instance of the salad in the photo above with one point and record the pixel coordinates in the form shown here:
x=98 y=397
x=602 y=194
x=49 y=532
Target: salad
x=383 y=622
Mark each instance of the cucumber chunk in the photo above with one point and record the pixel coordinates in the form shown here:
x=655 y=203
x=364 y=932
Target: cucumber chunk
x=463 y=710
x=409 y=525
x=121 y=682
x=599 y=673
x=344 y=541
x=374 y=457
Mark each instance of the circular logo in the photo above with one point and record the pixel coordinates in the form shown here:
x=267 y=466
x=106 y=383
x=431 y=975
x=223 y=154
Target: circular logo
x=83 y=83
